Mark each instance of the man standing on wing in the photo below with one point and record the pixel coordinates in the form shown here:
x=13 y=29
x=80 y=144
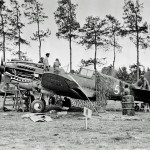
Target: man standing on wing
x=46 y=62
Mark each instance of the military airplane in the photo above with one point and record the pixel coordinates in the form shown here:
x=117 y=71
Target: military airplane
x=31 y=77
x=81 y=85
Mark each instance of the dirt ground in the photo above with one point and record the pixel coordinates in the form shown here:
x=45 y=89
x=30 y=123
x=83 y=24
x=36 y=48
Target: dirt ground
x=107 y=131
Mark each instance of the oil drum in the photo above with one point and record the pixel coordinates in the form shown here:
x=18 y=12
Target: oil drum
x=128 y=105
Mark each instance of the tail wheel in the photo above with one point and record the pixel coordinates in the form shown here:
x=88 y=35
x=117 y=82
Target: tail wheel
x=137 y=108
x=37 y=106
x=59 y=103
x=52 y=100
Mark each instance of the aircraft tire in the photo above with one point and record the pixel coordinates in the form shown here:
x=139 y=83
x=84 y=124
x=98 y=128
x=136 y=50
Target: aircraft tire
x=137 y=108
x=37 y=106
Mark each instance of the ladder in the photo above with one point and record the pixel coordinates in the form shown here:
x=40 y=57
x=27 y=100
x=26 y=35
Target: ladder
x=12 y=96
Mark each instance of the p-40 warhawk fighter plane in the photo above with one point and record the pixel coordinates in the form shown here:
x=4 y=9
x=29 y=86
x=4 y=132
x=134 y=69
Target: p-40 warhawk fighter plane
x=81 y=85
x=30 y=76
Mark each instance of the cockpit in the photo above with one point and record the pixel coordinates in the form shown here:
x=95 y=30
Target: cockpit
x=88 y=73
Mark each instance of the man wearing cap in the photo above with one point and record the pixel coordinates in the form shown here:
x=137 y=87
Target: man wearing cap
x=142 y=83
x=46 y=62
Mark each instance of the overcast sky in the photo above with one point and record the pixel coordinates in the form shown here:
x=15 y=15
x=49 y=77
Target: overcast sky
x=59 y=48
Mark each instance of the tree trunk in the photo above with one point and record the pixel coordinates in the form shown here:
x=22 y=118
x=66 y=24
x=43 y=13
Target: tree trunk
x=70 y=35
x=137 y=63
x=95 y=61
x=3 y=32
x=70 y=53
x=18 y=27
x=137 y=46
x=19 y=46
x=39 y=40
x=114 y=53
x=4 y=52
x=38 y=24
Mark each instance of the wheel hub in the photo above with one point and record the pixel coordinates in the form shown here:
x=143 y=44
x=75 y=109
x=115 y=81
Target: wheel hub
x=37 y=106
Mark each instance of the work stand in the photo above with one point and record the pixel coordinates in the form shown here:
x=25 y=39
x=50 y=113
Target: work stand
x=12 y=96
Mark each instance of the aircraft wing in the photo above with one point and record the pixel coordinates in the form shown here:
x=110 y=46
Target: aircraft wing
x=141 y=95
x=62 y=85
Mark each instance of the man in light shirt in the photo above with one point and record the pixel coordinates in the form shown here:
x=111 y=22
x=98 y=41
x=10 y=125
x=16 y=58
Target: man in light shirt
x=56 y=65
x=46 y=62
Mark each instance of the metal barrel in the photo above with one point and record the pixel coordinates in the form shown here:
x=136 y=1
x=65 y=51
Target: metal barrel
x=128 y=105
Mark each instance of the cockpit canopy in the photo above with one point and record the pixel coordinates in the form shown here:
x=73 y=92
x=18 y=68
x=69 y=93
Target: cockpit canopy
x=86 y=72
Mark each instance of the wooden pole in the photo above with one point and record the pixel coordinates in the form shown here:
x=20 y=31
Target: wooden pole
x=86 y=124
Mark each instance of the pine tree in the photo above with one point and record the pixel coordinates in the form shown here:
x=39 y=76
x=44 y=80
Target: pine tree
x=17 y=26
x=94 y=34
x=34 y=12
x=65 y=18
x=134 y=27
x=114 y=28
x=5 y=32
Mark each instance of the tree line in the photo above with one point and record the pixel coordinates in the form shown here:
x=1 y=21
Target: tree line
x=12 y=25
x=128 y=75
x=98 y=33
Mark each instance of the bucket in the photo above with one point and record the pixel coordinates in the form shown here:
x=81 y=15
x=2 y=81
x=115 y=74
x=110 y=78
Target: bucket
x=128 y=105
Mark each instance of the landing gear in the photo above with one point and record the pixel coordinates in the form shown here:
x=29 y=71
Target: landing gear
x=136 y=107
x=38 y=106
x=28 y=99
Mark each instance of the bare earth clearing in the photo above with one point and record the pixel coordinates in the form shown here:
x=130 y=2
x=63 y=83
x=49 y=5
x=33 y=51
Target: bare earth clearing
x=110 y=130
